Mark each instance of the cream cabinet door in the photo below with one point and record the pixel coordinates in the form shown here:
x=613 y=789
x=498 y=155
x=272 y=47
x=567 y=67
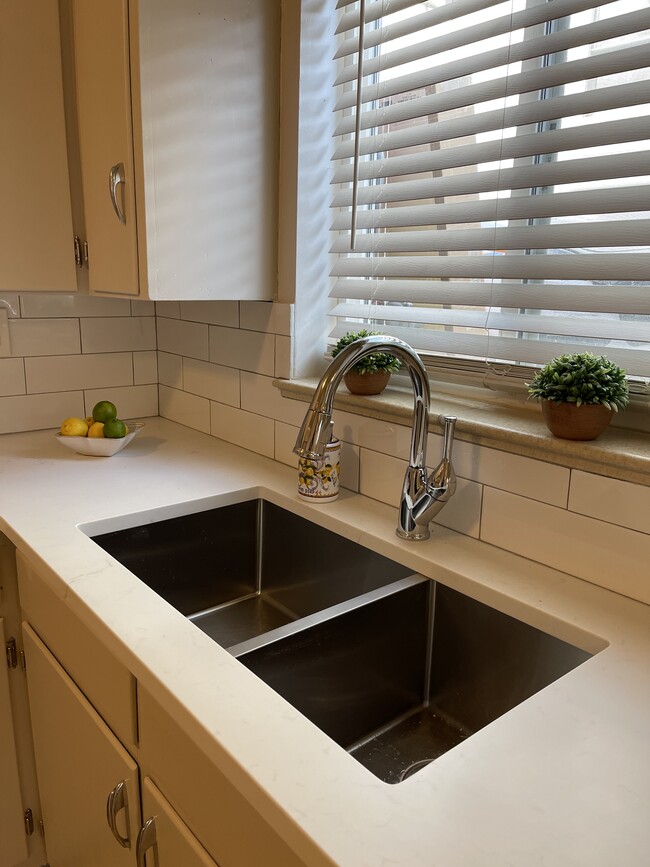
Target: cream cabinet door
x=36 y=230
x=165 y=839
x=12 y=829
x=79 y=762
x=103 y=85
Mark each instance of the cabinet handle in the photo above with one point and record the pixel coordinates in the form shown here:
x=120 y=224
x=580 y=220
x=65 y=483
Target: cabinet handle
x=116 y=176
x=146 y=839
x=116 y=801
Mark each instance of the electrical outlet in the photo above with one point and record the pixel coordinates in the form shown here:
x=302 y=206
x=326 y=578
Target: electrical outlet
x=5 y=344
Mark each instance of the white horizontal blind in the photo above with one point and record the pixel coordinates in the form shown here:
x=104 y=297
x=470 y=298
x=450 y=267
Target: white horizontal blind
x=503 y=195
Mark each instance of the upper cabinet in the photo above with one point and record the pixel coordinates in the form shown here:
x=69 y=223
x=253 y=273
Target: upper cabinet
x=36 y=224
x=178 y=117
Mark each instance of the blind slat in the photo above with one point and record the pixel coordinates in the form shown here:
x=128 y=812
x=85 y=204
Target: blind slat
x=603 y=201
x=613 y=233
x=534 y=296
x=571 y=326
x=586 y=266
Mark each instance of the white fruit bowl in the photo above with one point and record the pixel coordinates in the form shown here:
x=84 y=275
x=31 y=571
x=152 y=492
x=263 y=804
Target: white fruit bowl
x=100 y=447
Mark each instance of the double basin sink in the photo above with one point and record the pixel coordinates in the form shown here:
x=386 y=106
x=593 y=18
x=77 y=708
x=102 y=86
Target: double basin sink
x=394 y=667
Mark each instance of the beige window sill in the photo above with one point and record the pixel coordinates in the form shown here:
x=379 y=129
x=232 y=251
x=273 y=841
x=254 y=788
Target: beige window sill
x=509 y=425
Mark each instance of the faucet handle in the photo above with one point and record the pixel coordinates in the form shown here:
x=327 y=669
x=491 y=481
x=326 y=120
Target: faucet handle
x=448 y=436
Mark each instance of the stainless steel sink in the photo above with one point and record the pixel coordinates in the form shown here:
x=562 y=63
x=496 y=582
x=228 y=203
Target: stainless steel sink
x=394 y=667
x=241 y=570
x=407 y=673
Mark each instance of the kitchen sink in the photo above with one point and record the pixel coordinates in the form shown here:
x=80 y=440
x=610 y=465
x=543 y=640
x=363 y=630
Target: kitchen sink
x=407 y=673
x=394 y=667
x=241 y=570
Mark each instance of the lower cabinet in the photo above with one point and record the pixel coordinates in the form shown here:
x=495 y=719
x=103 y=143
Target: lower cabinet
x=89 y=783
x=79 y=763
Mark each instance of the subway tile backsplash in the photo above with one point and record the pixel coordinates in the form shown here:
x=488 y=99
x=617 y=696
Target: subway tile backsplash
x=68 y=351
x=210 y=366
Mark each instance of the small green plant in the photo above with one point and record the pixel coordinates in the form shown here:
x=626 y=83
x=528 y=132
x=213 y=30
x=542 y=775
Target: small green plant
x=581 y=378
x=374 y=363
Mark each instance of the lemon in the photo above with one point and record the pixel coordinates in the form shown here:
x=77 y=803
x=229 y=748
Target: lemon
x=96 y=429
x=89 y=420
x=115 y=429
x=104 y=411
x=74 y=427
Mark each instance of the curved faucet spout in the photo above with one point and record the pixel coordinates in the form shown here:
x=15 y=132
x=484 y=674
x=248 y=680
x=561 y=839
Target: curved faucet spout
x=421 y=499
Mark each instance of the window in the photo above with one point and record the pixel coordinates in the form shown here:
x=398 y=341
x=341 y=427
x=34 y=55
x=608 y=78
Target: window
x=492 y=195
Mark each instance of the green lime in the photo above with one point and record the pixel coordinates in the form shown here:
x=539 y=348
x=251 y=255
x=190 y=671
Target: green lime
x=115 y=429
x=104 y=411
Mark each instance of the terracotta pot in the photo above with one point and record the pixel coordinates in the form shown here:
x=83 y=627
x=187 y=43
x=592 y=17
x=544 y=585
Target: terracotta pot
x=571 y=422
x=366 y=383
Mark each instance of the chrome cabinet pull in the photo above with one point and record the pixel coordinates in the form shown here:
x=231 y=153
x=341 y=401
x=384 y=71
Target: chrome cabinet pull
x=116 y=801
x=116 y=176
x=146 y=839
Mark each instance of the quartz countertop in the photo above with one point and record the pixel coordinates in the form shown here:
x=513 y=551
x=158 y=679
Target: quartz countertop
x=563 y=779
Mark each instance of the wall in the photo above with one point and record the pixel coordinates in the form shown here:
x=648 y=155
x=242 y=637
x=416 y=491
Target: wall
x=217 y=363
x=69 y=351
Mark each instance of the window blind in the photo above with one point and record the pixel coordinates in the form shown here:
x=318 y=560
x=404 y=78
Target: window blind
x=492 y=161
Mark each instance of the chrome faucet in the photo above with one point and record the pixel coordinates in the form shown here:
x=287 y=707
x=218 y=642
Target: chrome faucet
x=421 y=498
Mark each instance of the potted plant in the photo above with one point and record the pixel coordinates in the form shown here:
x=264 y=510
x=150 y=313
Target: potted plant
x=580 y=393
x=371 y=374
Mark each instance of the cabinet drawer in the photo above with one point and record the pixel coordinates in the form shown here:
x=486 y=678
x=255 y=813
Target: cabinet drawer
x=106 y=683
x=229 y=828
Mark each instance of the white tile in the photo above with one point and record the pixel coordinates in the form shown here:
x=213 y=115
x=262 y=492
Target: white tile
x=211 y=380
x=213 y=312
x=131 y=401
x=143 y=308
x=187 y=409
x=145 y=368
x=285 y=439
x=11 y=302
x=604 y=554
x=39 y=411
x=283 y=357
x=519 y=475
x=259 y=395
x=272 y=317
x=118 y=335
x=68 y=372
x=170 y=370
x=183 y=338
x=33 y=337
x=617 y=502
x=380 y=436
x=12 y=376
x=247 y=350
x=245 y=429
x=169 y=309
x=35 y=305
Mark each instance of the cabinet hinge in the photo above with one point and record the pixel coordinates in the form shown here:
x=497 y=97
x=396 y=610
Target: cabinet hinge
x=29 y=822
x=78 y=260
x=86 y=252
x=12 y=653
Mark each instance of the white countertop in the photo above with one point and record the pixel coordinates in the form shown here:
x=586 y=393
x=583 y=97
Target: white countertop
x=561 y=780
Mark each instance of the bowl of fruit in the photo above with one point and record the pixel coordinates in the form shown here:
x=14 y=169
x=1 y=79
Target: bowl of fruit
x=101 y=434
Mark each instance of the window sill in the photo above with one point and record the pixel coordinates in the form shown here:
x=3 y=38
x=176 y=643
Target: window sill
x=505 y=424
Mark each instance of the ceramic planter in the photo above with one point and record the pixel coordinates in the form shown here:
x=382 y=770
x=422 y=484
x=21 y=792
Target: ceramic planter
x=366 y=383
x=571 y=422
